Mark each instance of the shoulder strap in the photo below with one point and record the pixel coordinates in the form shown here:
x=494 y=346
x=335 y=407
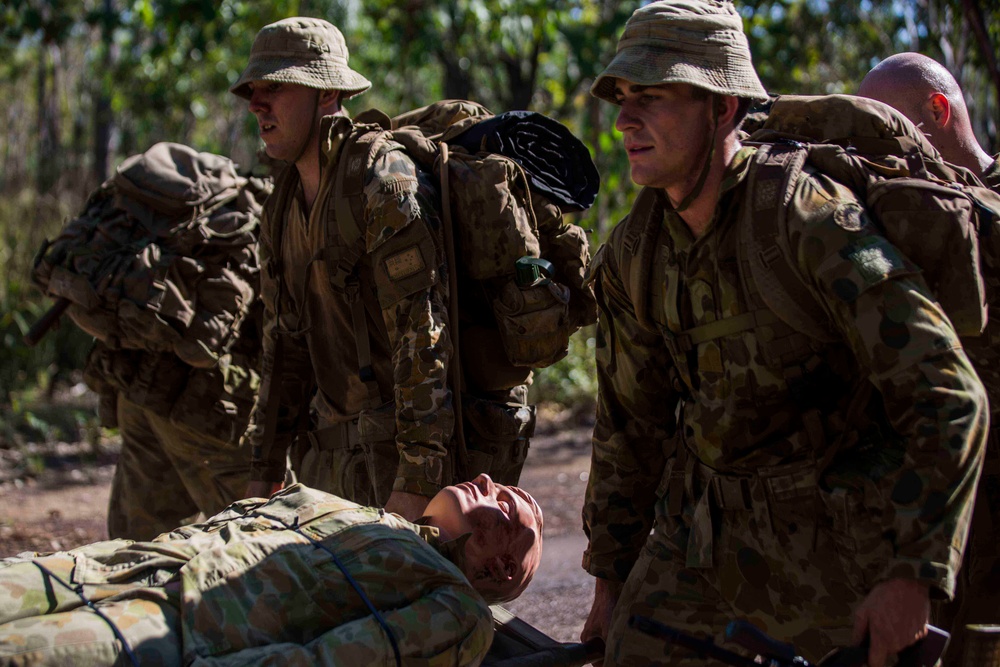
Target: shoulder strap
x=767 y=268
x=638 y=249
x=275 y=206
x=345 y=217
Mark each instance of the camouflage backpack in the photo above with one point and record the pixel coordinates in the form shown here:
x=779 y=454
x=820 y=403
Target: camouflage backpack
x=163 y=256
x=932 y=211
x=499 y=225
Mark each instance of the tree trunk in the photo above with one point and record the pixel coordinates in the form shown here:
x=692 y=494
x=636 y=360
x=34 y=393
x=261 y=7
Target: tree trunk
x=977 y=24
x=48 y=116
x=102 y=101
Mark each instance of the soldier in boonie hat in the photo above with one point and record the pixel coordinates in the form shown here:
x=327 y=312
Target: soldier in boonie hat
x=682 y=520
x=306 y=51
x=700 y=42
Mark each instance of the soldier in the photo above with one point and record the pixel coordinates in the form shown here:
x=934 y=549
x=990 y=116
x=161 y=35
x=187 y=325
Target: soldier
x=741 y=468
x=371 y=351
x=926 y=93
x=303 y=578
x=180 y=413
x=180 y=428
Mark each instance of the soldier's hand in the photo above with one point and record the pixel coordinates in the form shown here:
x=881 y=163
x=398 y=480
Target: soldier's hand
x=894 y=615
x=599 y=622
x=410 y=506
x=262 y=489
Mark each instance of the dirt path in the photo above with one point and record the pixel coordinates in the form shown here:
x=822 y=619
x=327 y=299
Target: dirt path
x=64 y=508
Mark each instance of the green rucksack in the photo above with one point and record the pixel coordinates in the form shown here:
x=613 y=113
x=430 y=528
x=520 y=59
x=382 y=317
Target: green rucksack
x=930 y=210
x=506 y=236
x=163 y=256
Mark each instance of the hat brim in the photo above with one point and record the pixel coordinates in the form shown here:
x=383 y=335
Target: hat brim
x=320 y=74
x=651 y=66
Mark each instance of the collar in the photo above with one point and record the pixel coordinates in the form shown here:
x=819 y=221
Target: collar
x=333 y=130
x=735 y=173
x=453 y=550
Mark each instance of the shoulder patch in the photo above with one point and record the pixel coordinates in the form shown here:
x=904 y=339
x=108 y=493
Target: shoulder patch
x=850 y=216
x=405 y=263
x=874 y=258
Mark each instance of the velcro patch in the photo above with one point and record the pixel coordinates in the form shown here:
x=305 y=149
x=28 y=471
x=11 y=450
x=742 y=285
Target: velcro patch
x=405 y=263
x=875 y=259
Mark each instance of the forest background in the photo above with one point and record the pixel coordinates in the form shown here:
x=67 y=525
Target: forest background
x=86 y=83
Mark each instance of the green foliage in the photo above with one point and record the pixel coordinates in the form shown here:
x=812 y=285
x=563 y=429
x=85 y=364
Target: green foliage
x=571 y=381
x=25 y=221
x=151 y=71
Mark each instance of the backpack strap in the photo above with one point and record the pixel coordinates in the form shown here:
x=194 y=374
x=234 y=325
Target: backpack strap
x=275 y=206
x=767 y=267
x=639 y=248
x=345 y=218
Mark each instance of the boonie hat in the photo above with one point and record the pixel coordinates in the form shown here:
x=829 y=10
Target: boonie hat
x=307 y=51
x=700 y=42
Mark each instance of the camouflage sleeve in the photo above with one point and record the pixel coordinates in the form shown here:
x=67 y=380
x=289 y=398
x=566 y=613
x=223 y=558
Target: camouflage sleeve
x=567 y=246
x=932 y=397
x=296 y=383
x=635 y=419
x=449 y=625
x=407 y=250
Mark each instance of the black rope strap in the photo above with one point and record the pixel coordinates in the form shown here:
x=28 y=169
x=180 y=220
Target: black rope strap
x=354 y=584
x=79 y=592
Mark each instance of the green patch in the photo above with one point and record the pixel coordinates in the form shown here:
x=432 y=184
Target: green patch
x=874 y=259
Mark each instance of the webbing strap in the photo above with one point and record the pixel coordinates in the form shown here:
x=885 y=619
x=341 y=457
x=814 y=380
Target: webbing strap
x=767 y=271
x=362 y=343
x=354 y=584
x=687 y=340
x=455 y=363
x=78 y=590
x=282 y=193
x=345 y=230
x=639 y=245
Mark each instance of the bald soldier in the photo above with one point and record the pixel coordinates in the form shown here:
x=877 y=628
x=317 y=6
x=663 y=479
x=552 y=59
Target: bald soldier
x=303 y=578
x=926 y=93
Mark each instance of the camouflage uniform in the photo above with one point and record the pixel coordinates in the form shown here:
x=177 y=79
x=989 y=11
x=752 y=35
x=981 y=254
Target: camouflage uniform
x=180 y=429
x=383 y=428
x=724 y=454
x=246 y=589
x=977 y=592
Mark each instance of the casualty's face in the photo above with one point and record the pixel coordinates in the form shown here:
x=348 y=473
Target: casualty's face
x=502 y=519
x=665 y=129
x=286 y=116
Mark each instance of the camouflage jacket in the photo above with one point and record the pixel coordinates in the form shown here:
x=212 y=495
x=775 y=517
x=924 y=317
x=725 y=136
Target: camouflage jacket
x=405 y=266
x=252 y=591
x=991 y=177
x=747 y=404
x=984 y=350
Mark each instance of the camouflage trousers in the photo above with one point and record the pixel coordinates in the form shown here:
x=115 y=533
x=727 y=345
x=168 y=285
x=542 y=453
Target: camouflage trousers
x=168 y=474
x=977 y=592
x=44 y=623
x=769 y=548
x=358 y=460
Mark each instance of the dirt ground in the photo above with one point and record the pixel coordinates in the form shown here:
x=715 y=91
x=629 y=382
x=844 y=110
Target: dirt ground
x=64 y=506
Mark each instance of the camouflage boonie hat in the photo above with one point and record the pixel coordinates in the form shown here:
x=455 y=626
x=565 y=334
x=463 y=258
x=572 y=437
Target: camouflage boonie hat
x=700 y=42
x=309 y=52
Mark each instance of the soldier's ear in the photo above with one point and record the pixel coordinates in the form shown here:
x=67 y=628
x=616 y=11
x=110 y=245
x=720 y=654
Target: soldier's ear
x=939 y=109
x=329 y=101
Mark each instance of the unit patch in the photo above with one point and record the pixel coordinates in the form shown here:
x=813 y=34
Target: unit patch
x=404 y=263
x=875 y=259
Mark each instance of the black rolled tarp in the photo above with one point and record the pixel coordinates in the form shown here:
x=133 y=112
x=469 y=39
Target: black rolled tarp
x=557 y=163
